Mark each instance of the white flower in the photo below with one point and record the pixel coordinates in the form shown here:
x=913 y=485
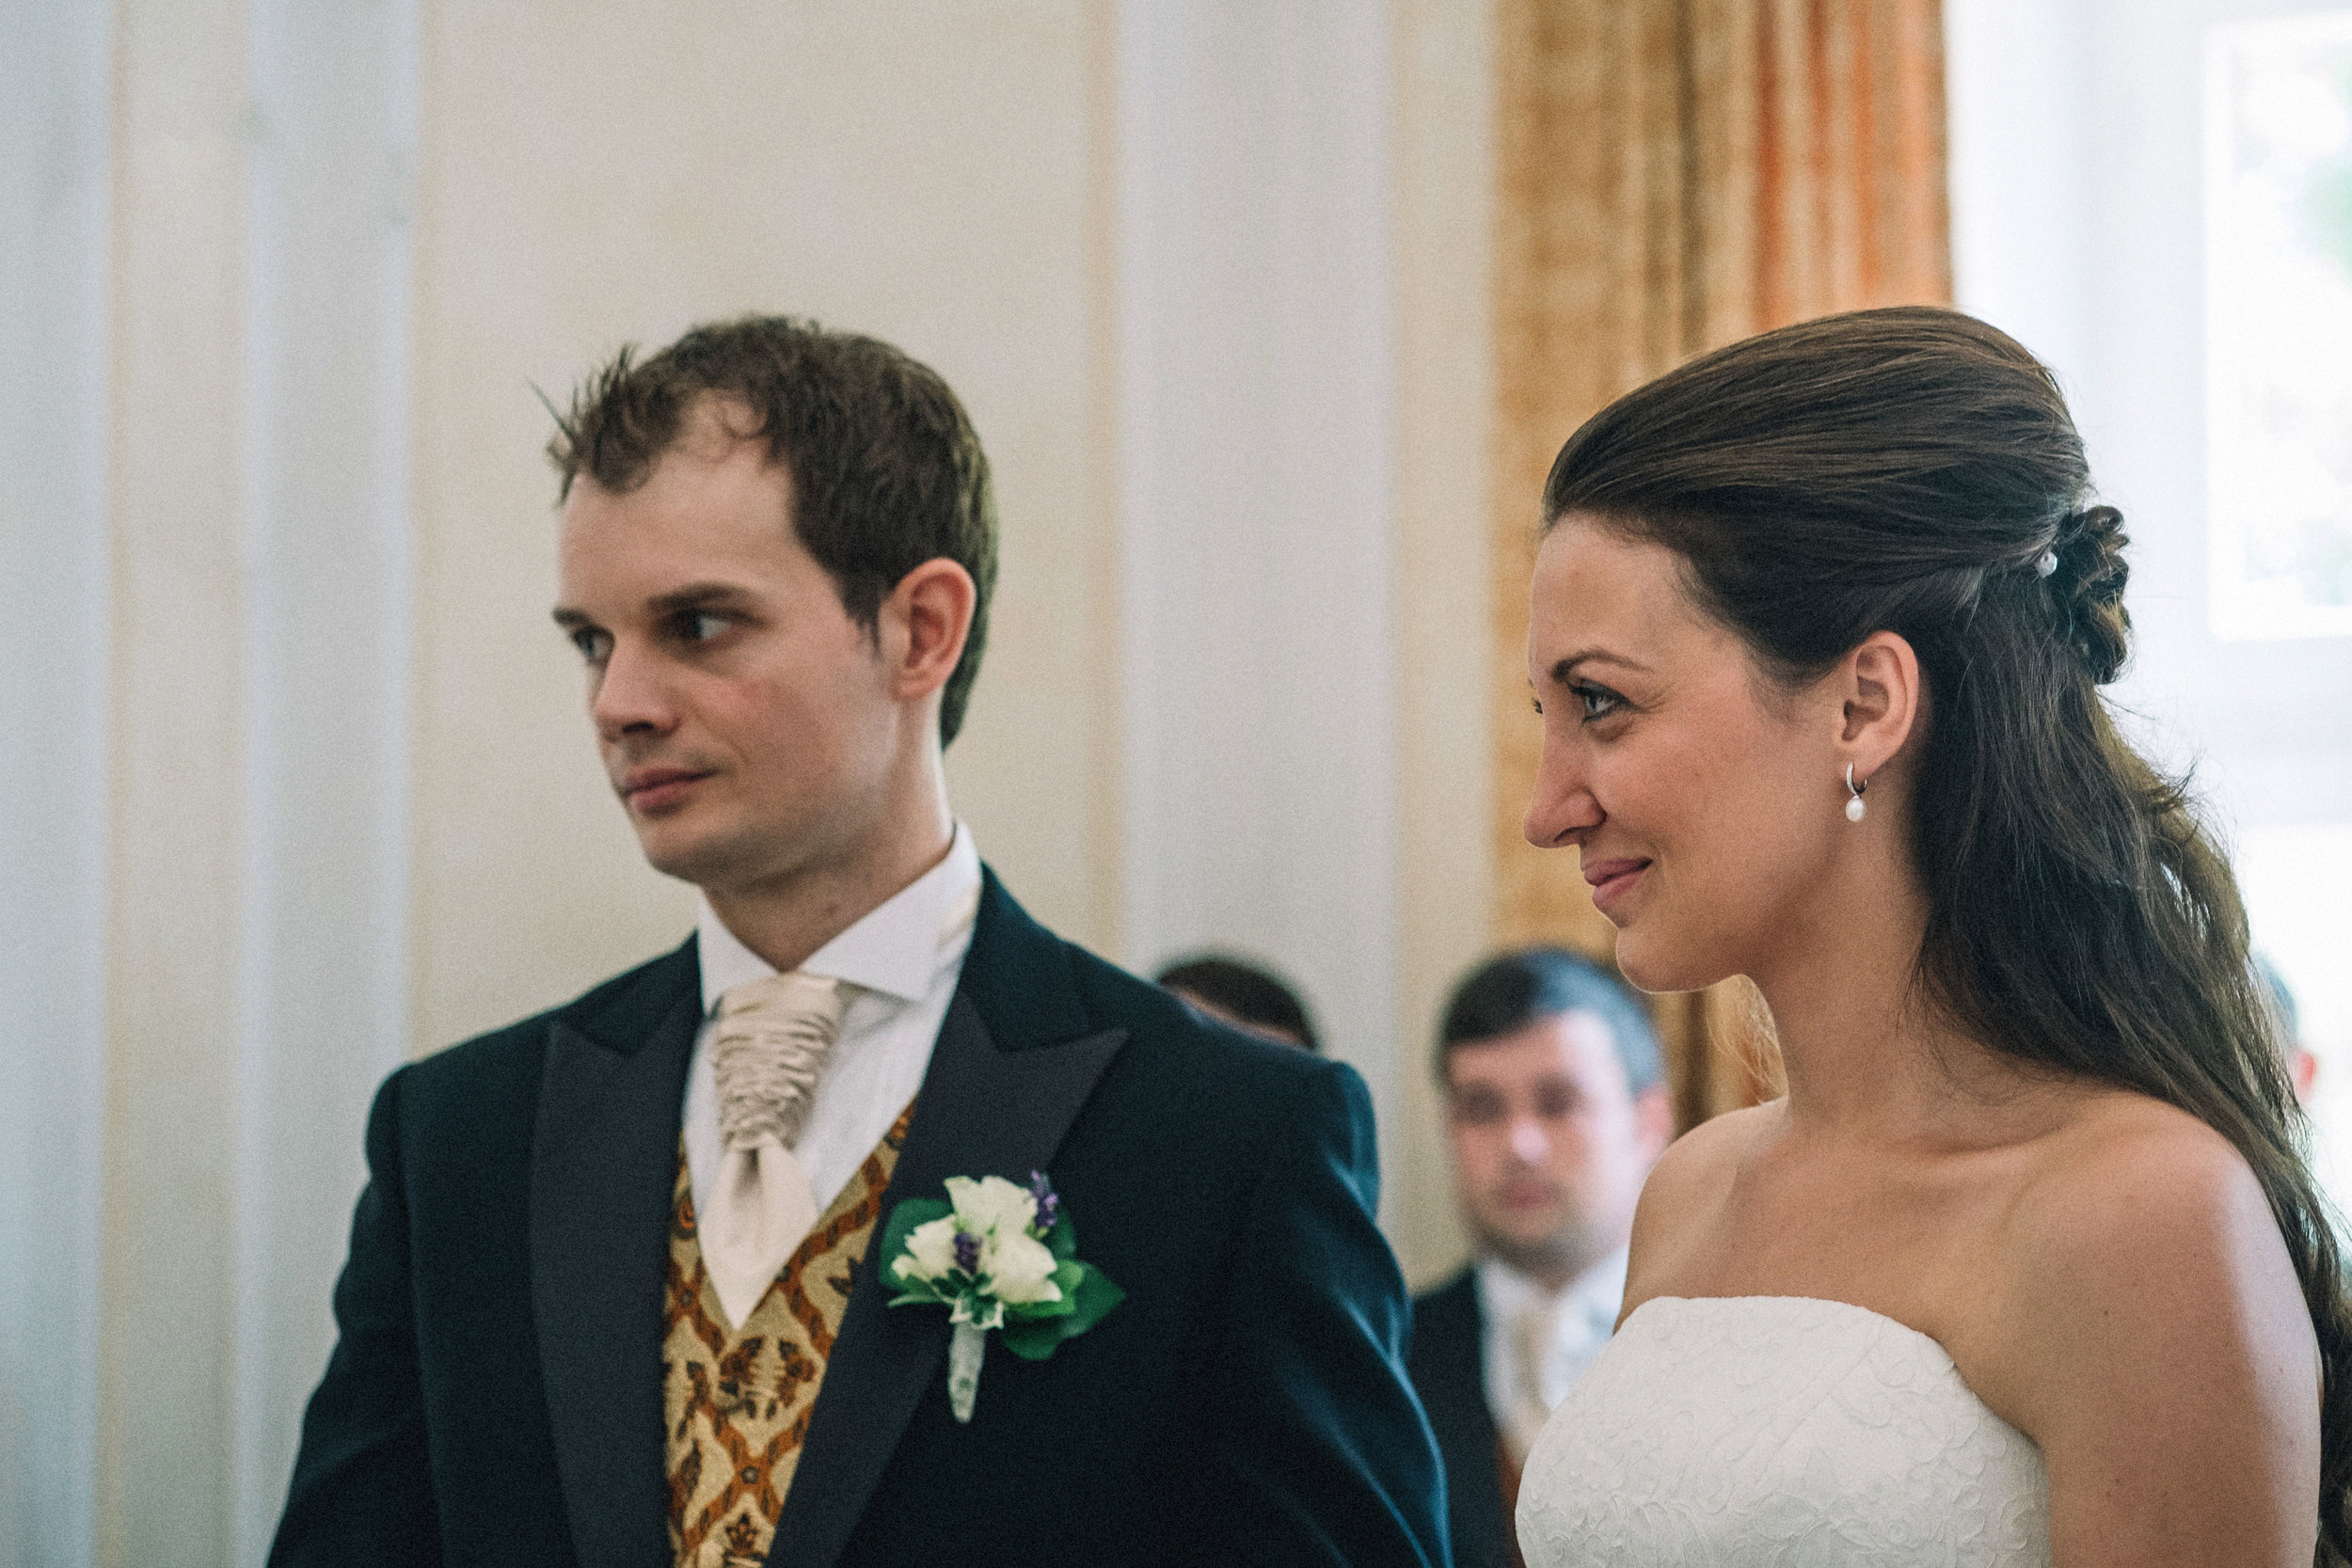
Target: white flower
x=930 y=1251
x=992 y=1205
x=1020 y=1268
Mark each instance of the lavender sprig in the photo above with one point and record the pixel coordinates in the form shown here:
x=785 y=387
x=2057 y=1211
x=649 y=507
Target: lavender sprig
x=1048 y=1203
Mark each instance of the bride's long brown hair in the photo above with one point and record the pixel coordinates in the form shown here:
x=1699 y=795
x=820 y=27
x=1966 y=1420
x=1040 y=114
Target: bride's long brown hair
x=1917 y=471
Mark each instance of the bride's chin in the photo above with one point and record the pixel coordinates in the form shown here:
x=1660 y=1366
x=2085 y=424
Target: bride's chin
x=1654 y=963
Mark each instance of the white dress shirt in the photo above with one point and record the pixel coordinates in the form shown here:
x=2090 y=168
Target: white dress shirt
x=905 y=959
x=1585 y=1316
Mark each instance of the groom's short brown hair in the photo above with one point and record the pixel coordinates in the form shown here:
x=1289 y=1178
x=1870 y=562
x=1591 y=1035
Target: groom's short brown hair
x=887 y=469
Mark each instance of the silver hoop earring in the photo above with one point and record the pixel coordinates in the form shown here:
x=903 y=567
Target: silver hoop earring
x=1855 y=809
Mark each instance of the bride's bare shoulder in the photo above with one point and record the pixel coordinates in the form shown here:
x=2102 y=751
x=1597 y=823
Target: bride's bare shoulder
x=1693 y=1176
x=2149 y=1332
x=2127 y=1183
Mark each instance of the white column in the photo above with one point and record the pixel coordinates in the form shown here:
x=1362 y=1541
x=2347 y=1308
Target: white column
x=165 y=1462
x=54 y=187
x=325 y=535
x=1257 y=501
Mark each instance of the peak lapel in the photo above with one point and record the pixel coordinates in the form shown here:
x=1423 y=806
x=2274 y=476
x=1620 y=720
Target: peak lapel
x=603 y=1167
x=995 y=1101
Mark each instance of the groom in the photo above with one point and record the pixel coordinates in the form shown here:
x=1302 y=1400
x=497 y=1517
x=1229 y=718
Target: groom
x=618 y=1291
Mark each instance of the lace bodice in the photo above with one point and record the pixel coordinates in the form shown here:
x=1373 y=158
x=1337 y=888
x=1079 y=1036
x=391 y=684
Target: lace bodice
x=1778 y=1431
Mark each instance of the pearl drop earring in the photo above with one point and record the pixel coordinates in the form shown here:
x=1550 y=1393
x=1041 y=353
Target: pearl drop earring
x=1855 y=809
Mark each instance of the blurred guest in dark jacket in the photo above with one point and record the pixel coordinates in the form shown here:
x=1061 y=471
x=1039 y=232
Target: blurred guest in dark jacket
x=1557 y=1102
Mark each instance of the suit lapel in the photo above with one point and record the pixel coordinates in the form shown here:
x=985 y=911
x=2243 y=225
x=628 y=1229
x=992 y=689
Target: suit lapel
x=1014 y=1063
x=603 y=1167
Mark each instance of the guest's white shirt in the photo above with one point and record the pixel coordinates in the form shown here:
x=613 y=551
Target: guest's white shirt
x=1584 y=1317
x=905 y=959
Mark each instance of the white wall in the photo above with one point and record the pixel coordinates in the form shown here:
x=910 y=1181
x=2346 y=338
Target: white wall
x=1258 y=408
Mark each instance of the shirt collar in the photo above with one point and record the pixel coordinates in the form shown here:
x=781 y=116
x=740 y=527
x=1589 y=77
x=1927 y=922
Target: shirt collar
x=896 y=949
x=1598 y=1292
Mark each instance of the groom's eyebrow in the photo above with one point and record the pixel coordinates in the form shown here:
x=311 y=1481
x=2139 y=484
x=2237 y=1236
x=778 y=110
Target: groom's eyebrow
x=1566 y=669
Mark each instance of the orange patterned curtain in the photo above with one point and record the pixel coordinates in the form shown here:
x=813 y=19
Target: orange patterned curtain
x=1676 y=175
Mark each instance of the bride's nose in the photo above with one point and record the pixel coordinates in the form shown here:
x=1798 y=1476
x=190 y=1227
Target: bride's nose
x=1562 y=810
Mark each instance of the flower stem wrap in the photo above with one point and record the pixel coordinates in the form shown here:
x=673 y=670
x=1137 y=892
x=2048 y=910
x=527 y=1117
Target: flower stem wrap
x=966 y=1347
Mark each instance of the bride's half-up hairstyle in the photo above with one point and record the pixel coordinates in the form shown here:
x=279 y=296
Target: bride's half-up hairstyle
x=1914 y=470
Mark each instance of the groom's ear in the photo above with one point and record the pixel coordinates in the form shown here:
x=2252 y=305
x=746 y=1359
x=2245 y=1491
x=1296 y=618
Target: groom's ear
x=922 y=625
x=1877 y=685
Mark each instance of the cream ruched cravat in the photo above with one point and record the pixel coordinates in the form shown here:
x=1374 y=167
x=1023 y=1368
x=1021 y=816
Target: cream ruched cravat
x=769 y=1050
x=1532 y=1337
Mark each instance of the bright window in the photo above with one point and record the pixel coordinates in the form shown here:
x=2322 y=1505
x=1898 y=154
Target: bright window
x=2293 y=878
x=2279 y=316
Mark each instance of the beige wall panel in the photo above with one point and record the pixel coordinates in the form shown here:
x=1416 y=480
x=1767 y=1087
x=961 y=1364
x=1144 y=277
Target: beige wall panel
x=1444 y=486
x=597 y=175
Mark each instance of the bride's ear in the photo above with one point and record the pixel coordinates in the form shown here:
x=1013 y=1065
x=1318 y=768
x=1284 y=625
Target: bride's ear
x=1879 y=685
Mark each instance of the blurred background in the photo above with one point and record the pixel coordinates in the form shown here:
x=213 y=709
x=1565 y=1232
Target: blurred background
x=1271 y=314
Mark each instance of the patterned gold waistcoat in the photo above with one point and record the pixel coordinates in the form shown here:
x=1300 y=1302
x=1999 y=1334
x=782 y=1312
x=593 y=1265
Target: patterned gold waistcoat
x=738 y=1403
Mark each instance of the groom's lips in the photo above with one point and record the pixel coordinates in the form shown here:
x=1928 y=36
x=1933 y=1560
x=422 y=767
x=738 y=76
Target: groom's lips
x=652 y=789
x=1612 y=878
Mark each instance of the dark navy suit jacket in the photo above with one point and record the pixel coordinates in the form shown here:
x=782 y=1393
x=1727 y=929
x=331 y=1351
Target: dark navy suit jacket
x=1449 y=1367
x=495 y=1397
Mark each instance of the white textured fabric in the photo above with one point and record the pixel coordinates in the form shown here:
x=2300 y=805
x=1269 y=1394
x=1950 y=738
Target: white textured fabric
x=905 y=959
x=1537 y=1344
x=768 y=1052
x=1779 y=1432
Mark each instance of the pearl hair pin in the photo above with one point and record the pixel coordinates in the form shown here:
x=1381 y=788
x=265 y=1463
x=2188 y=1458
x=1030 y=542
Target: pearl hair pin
x=2045 y=563
x=1855 y=809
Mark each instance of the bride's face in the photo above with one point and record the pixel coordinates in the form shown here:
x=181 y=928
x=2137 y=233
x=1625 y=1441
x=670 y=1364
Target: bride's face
x=1702 y=799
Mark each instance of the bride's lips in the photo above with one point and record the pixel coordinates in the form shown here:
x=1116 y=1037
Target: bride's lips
x=652 y=789
x=1611 y=878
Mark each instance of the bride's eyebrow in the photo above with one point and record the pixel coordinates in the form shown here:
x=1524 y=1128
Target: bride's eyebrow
x=1564 y=670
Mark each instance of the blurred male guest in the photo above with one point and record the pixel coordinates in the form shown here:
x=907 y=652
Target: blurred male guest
x=1557 y=1102
x=1233 y=991
x=666 y=1275
x=2302 y=1066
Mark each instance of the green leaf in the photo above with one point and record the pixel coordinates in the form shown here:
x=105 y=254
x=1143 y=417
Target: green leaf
x=1088 y=1297
x=1095 y=1296
x=1067 y=1277
x=1034 y=1340
x=1063 y=1241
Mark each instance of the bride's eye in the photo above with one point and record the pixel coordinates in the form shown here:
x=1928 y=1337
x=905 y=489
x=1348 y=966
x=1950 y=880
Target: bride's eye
x=1598 y=700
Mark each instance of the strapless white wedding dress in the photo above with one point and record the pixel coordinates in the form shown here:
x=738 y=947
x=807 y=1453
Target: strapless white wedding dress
x=1778 y=1431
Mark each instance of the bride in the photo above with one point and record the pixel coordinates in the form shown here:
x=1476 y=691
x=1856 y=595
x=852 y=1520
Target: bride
x=2027 y=1266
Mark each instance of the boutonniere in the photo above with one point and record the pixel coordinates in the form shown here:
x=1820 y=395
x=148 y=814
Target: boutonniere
x=996 y=1255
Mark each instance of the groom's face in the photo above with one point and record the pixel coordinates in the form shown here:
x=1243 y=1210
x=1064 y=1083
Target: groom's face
x=743 y=716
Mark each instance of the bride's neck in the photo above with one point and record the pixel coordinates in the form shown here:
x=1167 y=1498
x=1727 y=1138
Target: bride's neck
x=1864 y=1053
